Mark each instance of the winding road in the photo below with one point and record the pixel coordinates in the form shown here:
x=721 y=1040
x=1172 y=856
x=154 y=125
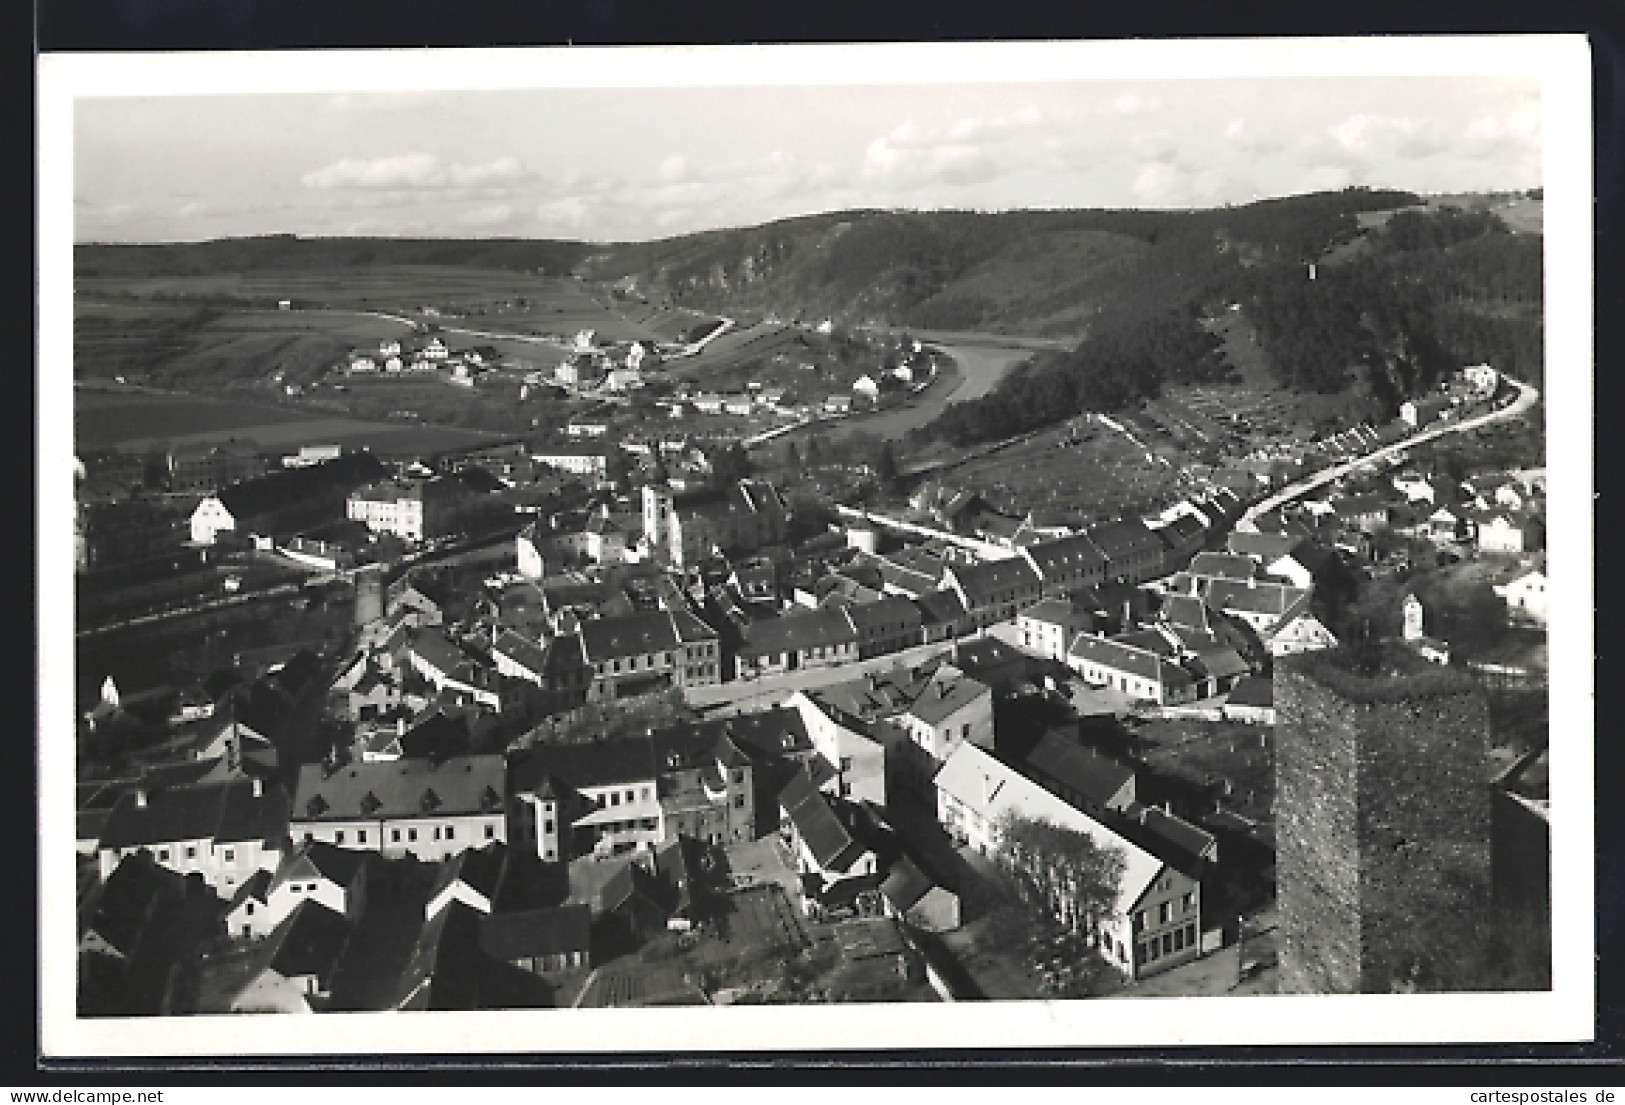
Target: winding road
x=1527 y=397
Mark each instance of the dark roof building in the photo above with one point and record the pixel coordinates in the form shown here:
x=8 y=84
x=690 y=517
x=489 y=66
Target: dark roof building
x=1079 y=774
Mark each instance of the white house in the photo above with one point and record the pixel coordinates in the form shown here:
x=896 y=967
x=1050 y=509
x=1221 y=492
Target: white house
x=867 y=387
x=1482 y=377
x=1415 y=489
x=389 y=349
x=435 y=350
x=412 y=806
x=1500 y=534
x=529 y=544
x=1303 y=632
x=210 y=519
x=331 y=878
x=858 y=759
x=221 y=831
x=1526 y=595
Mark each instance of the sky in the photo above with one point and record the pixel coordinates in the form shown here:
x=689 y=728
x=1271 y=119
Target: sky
x=627 y=164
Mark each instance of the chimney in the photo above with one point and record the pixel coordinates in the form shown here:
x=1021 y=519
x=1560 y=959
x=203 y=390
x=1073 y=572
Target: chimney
x=400 y=727
x=141 y=798
x=259 y=788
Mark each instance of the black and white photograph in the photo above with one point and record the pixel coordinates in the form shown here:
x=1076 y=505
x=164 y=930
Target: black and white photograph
x=779 y=547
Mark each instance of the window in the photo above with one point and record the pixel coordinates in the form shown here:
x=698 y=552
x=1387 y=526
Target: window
x=631 y=796
x=739 y=801
x=1187 y=902
x=338 y=837
x=1139 y=921
x=614 y=797
x=437 y=832
x=1190 y=935
x=1167 y=943
x=616 y=664
x=297 y=887
x=249 y=910
x=1163 y=911
x=163 y=855
x=361 y=836
x=964 y=731
x=230 y=855
x=450 y=832
x=547 y=826
x=191 y=849
x=490 y=832
x=395 y=835
x=1179 y=940
x=412 y=835
x=1151 y=952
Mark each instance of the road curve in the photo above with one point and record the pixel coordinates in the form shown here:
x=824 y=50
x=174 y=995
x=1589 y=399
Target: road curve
x=1527 y=397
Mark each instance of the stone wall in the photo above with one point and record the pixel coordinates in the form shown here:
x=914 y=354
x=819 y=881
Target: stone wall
x=1382 y=824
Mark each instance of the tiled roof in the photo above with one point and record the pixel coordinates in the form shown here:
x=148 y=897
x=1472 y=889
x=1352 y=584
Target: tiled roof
x=223 y=812
x=126 y=903
x=1213 y=565
x=527 y=654
x=628 y=635
x=561 y=930
x=1276 y=600
x=1253 y=691
x=823 y=628
x=982 y=582
x=1169 y=836
x=309 y=941
x=1066 y=556
x=1120 y=657
x=1059 y=756
x=904 y=885
x=945 y=695
x=318 y=858
x=404 y=788
x=1124 y=540
x=1186 y=610
x=777 y=732
x=940 y=608
x=1059 y=612
x=1221 y=662
x=831 y=845
x=885 y=613
x=587 y=764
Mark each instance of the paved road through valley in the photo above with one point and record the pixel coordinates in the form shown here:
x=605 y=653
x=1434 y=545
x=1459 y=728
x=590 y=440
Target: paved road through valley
x=1526 y=399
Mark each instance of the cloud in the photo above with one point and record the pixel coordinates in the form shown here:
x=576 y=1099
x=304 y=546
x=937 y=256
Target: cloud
x=494 y=214
x=1132 y=104
x=674 y=169
x=969 y=150
x=415 y=171
x=1244 y=134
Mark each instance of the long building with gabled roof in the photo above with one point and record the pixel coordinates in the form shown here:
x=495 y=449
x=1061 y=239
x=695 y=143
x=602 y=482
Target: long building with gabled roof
x=1155 y=920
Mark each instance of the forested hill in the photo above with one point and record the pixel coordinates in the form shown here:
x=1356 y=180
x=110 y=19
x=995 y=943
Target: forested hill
x=1423 y=295
x=1036 y=272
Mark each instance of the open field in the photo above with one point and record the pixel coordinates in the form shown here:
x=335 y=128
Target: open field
x=131 y=421
x=1237 y=759
x=206 y=329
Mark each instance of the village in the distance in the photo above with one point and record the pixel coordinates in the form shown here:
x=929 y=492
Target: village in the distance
x=590 y=631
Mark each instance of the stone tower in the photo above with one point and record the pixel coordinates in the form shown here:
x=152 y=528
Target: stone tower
x=1382 y=814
